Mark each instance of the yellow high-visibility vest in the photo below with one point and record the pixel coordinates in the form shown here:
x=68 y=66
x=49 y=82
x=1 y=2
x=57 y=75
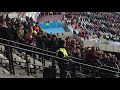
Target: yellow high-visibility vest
x=63 y=50
x=34 y=31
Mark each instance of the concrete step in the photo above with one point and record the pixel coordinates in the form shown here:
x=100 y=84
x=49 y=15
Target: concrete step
x=15 y=76
x=3 y=70
x=38 y=74
x=20 y=71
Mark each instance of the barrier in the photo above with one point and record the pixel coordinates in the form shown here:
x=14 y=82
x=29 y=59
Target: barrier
x=45 y=53
x=100 y=43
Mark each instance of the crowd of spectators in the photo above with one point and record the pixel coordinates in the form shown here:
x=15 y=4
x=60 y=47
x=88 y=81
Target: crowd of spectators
x=28 y=32
x=105 y=24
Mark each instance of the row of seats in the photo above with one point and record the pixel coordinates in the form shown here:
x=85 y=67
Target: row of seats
x=38 y=64
x=19 y=59
x=4 y=62
x=50 y=25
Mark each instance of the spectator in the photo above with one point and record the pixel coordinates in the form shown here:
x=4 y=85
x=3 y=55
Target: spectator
x=20 y=33
x=27 y=33
x=86 y=36
x=37 y=28
x=54 y=43
x=29 y=38
x=4 y=31
x=39 y=41
x=5 y=34
x=77 y=54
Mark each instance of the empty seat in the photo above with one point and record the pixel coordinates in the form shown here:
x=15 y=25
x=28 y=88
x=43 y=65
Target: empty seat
x=35 y=62
x=59 y=24
x=3 y=59
x=44 y=26
x=2 y=48
x=41 y=25
x=19 y=60
x=15 y=51
x=52 y=25
x=48 y=63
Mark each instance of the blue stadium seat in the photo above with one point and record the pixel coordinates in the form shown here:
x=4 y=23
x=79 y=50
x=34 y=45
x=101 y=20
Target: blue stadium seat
x=52 y=24
x=40 y=25
x=59 y=24
x=44 y=26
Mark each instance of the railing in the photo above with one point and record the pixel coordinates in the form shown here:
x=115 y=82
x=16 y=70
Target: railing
x=109 y=47
x=45 y=55
x=105 y=46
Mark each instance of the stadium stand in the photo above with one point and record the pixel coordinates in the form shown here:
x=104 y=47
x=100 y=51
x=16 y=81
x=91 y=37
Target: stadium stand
x=30 y=51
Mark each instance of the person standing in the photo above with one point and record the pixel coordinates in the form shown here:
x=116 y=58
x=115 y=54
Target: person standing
x=62 y=53
x=20 y=33
x=5 y=34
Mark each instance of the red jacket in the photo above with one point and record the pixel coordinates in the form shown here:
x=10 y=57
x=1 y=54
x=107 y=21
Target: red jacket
x=81 y=32
x=37 y=28
x=75 y=24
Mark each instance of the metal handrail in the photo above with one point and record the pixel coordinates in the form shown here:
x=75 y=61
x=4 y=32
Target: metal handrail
x=37 y=48
x=42 y=49
x=61 y=58
x=46 y=50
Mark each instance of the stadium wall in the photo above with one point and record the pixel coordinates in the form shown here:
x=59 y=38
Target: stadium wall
x=105 y=46
x=101 y=44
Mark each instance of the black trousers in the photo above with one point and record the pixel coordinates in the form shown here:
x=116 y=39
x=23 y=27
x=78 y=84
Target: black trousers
x=63 y=68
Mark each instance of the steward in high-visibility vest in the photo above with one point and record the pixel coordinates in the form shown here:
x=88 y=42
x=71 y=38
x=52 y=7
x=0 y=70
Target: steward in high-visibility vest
x=62 y=53
x=63 y=50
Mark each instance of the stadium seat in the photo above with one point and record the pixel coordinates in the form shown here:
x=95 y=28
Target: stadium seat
x=3 y=59
x=44 y=26
x=2 y=48
x=37 y=63
x=40 y=25
x=59 y=24
x=52 y=24
x=48 y=63
x=19 y=60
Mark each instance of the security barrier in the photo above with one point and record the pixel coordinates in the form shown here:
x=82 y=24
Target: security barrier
x=38 y=64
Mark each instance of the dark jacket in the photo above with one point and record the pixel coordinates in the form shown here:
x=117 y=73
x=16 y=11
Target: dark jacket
x=5 y=33
x=40 y=42
x=53 y=45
